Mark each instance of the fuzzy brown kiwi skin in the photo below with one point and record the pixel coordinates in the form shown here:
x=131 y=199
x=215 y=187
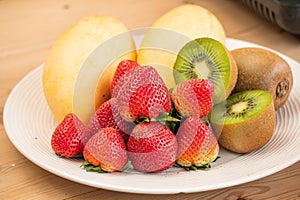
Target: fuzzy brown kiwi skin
x=262 y=69
x=250 y=135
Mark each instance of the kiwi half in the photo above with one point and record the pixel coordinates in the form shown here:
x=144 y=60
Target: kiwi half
x=245 y=121
x=207 y=58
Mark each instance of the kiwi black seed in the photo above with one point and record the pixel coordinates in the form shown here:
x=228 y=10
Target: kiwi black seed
x=245 y=121
x=207 y=58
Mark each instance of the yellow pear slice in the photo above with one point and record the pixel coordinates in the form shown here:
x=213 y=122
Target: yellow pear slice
x=172 y=31
x=80 y=66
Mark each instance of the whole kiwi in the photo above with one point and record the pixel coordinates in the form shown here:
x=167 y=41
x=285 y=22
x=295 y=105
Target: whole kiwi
x=260 y=68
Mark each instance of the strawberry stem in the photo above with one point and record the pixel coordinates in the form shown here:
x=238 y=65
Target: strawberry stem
x=165 y=117
x=171 y=122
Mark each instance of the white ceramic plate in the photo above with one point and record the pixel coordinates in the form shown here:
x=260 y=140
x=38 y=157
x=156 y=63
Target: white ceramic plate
x=29 y=124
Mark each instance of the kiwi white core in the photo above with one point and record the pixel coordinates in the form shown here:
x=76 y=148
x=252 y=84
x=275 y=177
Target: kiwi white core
x=239 y=107
x=202 y=69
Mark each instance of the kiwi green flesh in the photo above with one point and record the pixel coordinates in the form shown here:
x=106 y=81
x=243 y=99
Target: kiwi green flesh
x=241 y=106
x=204 y=58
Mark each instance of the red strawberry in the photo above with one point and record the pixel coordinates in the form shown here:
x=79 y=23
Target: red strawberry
x=69 y=137
x=107 y=116
x=142 y=93
x=152 y=147
x=197 y=145
x=193 y=97
x=107 y=150
x=146 y=101
x=123 y=67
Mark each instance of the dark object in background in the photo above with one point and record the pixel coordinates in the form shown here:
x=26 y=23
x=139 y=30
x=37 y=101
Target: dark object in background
x=284 y=13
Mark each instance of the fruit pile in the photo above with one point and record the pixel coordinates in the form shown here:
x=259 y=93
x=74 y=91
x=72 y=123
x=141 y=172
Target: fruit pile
x=141 y=124
x=250 y=85
x=153 y=118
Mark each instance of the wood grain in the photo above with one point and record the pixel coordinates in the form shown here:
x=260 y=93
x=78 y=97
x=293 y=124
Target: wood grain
x=29 y=29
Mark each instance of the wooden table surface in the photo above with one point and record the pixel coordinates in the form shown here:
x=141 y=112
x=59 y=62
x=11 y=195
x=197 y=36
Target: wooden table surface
x=29 y=28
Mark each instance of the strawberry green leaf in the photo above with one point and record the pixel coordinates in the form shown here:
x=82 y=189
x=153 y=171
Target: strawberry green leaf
x=126 y=166
x=60 y=156
x=217 y=158
x=171 y=122
x=173 y=126
x=171 y=91
x=142 y=119
x=91 y=168
x=78 y=156
x=205 y=120
x=193 y=167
